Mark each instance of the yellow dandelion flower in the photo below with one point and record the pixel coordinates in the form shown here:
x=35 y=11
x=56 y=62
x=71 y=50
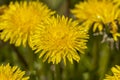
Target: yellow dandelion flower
x=116 y=74
x=20 y=19
x=11 y=73
x=60 y=39
x=99 y=14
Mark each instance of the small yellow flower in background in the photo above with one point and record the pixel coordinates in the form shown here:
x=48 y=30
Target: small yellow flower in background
x=11 y=73
x=116 y=74
x=59 y=39
x=20 y=19
x=101 y=14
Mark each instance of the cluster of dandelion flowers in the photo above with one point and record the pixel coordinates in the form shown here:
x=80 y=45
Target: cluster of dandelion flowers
x=59 y=39
x=19 y=20
x=103 y=15
x=11 y=73
x=116 y=74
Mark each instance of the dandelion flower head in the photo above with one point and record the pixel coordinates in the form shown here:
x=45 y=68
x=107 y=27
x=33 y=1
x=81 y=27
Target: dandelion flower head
x=60 y=39
x=11 y=73
x=20 y=19
x=99 y=14
x=116 y=74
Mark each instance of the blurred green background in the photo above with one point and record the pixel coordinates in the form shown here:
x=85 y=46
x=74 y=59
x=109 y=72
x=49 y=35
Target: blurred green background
x=94 y=64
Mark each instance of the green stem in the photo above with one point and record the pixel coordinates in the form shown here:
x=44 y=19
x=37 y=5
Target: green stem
x=103 y=61
x=21 y=58
x=67 y=7
x=95 y=52
x=58 y=75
